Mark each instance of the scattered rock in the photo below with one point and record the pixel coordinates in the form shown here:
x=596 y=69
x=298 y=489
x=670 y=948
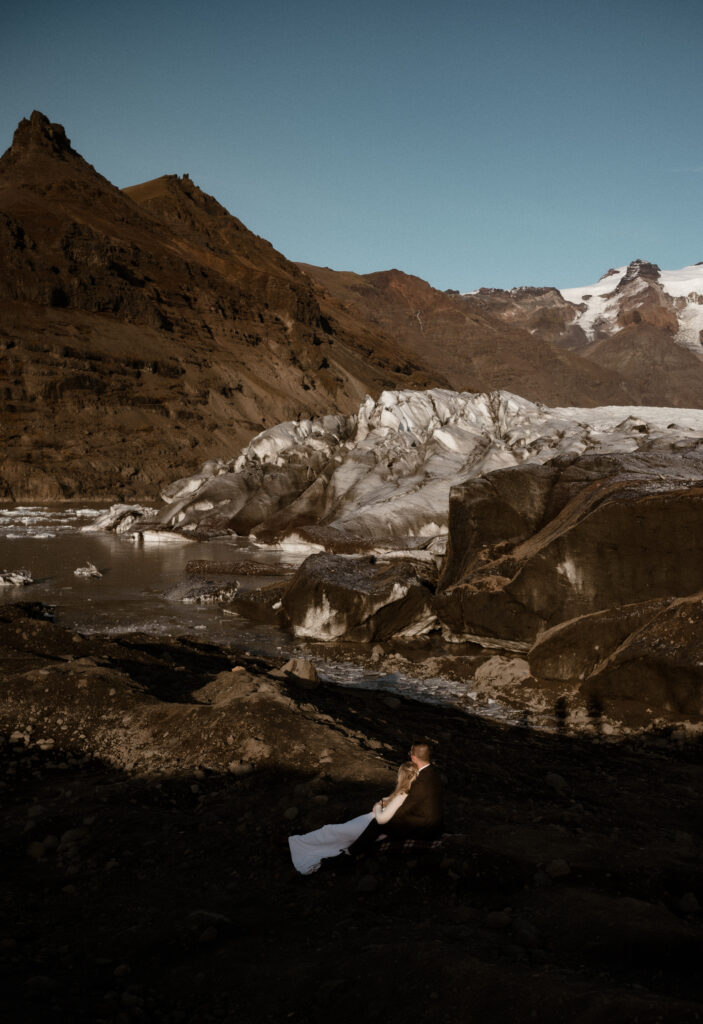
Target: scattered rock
x=303 y=671
x=557 y=782
x=499 y=919
x=557 y=868
x=689 y=903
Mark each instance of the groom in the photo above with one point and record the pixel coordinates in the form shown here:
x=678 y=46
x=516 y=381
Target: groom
x=421 y=814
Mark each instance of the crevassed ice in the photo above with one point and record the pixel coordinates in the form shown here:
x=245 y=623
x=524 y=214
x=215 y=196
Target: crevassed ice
x=385 y=473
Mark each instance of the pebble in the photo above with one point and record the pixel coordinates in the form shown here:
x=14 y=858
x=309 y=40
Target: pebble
x=72 y=836
x=290 y=813
x=369 y=883
x=208 y=917
x=36 y=850
x=689 y=903
x=557 y=868
x=557 y=782
x=39 y=981
x=499 y=919
x=122 y=971
x=526 y=933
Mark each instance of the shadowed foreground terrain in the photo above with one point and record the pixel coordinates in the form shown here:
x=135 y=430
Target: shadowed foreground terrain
x=148 y=787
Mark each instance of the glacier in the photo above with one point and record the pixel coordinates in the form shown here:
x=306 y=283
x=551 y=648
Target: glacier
x=379 y=479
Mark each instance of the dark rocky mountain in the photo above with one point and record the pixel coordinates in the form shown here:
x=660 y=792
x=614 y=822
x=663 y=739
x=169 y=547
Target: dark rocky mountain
x=143 y=331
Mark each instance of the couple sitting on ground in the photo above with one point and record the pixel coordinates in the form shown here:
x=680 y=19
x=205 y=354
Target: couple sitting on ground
x=412 y=811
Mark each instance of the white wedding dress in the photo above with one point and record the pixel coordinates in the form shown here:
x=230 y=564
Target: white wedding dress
x=309 y=850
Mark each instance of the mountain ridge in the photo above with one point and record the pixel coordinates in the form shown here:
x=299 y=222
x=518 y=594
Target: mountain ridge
x=146 y=330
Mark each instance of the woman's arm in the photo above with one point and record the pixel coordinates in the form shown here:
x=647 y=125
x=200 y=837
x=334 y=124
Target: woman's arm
x=384 y=814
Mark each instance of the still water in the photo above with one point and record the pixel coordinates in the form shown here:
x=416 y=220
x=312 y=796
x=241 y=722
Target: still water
x=48 y=542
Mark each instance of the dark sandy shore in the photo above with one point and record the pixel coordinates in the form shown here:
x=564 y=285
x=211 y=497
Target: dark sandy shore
x=147 y=791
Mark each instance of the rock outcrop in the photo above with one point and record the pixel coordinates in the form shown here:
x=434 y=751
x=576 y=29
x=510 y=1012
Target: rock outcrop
x=333 y=597
x=629 y=663
x=595 y=531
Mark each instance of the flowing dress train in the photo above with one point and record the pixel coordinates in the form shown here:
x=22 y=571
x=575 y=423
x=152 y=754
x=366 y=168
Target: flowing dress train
x=307 y=851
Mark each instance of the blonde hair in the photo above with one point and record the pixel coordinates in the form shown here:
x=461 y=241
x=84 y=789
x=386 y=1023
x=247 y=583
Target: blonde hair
x=407 y=773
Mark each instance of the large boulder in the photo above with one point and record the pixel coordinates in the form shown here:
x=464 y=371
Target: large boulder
x=534 y=546
x=631 y=664
x=356 y=598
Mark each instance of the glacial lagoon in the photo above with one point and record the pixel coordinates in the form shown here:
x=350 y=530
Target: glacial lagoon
x=130 y=597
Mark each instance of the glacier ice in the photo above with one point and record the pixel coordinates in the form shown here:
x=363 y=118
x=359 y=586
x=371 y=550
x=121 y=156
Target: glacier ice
x=380 y=478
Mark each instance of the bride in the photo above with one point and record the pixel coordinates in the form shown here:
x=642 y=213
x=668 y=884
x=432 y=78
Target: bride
x=307 y=851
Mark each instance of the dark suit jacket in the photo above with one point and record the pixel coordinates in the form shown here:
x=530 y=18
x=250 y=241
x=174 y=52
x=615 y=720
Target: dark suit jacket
x=421 y=815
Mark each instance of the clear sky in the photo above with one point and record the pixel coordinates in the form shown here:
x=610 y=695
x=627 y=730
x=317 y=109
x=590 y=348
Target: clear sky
x=471 y=143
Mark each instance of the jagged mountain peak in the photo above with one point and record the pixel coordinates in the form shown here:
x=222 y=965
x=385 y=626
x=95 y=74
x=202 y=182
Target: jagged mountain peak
x=639 y=270
x=36 y=137
x=175 y=191
x=41 y=157
x=38 y=132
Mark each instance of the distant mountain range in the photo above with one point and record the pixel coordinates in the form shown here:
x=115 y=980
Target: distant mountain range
x=145 y=330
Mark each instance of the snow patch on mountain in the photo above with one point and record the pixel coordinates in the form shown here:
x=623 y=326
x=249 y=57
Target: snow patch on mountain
x=686 y=289
x=600 y=304
x=600 y=307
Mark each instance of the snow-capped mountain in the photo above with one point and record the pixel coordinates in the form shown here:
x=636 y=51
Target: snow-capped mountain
x=642 y=293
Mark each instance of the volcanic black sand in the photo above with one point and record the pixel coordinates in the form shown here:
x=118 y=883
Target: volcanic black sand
x=153 y=883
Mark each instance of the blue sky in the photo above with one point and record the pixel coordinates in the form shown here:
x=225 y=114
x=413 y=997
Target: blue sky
x=478 y=143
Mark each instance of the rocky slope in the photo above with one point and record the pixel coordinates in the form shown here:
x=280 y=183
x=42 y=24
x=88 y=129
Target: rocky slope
x=466 y=341
x=631 y=339
x=149 y=879
x=144 y=330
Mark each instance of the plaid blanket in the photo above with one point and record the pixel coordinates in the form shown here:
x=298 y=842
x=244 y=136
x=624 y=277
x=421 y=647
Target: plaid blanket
x=385 y=844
